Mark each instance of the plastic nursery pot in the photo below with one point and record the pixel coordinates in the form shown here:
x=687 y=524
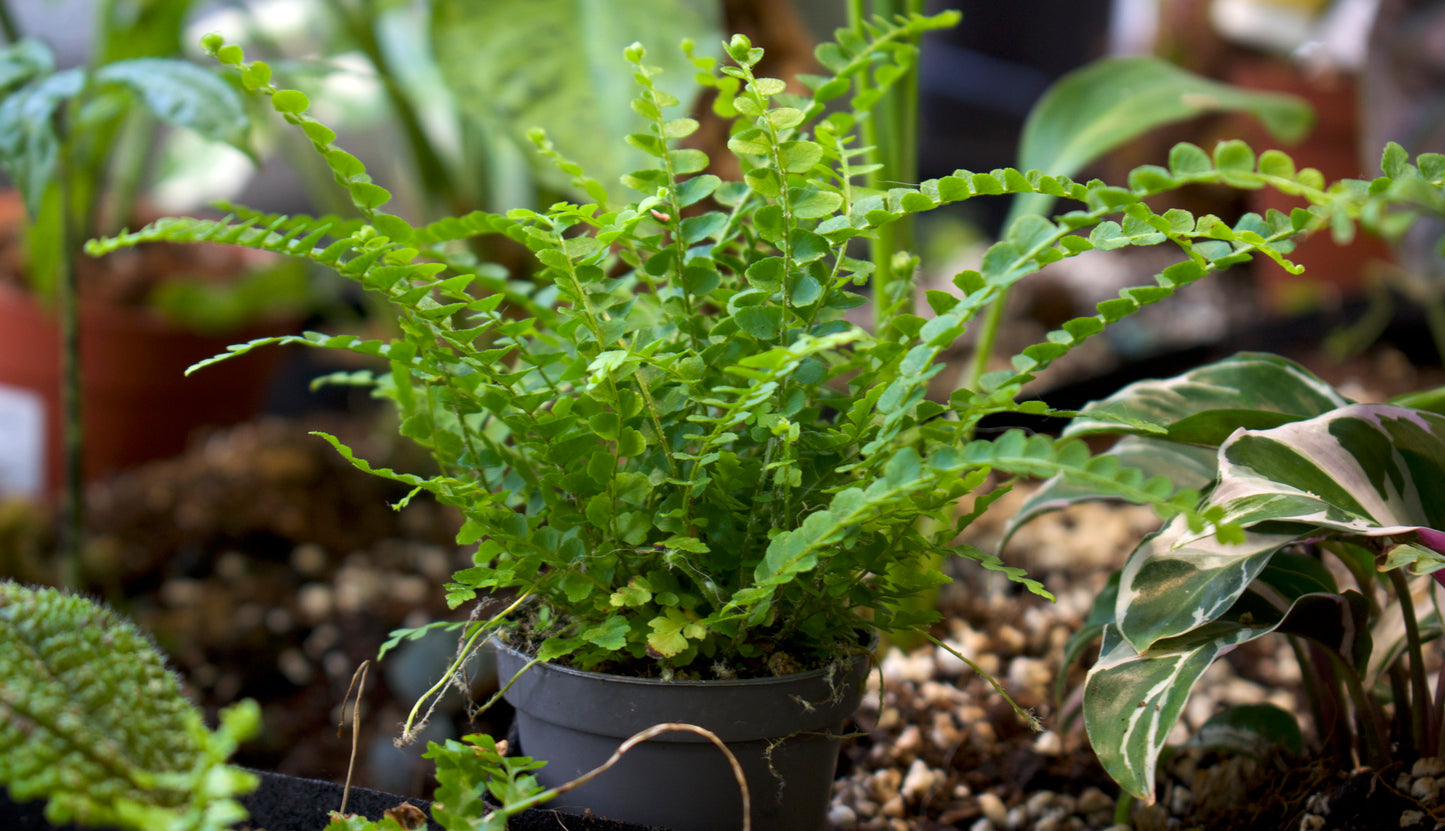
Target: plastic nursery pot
x=137 y=403
x=785 y=732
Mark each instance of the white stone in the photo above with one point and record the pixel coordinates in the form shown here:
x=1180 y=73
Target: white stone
x=1425 y=788
x=918 y=781
x=1428 y=767
x=1048 y=743
x=992 y=807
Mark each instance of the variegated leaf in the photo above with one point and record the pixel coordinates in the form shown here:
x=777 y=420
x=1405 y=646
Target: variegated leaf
x=1206 y=405
x=1363 y=470
x=1133 y=700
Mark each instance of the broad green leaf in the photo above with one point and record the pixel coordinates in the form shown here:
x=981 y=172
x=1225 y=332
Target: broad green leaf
x=1132 y=700
x=1205 y=405
x=1096 y=109
x=184 y=95
x=29 y=146
x=558 y=64
x=23 y=60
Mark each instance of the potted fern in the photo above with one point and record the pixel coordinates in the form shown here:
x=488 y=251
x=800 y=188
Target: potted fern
x=683 y=466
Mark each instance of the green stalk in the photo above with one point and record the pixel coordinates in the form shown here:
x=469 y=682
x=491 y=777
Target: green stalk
x=892 y=131
x=67 y=303
x=1420 y=693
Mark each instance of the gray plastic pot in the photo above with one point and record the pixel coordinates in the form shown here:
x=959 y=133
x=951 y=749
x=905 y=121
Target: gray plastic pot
x=785 y=732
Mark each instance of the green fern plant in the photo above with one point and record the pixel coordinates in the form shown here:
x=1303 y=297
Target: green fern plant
x=92 y=721
x=670 y=441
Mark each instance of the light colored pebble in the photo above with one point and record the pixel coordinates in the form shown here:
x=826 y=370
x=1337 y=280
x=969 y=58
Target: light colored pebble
x=982 y=824
x=1011 y=639
x=1017 y=817
x=410 y=589
x=1048 y=743
x=889 y=718
x=993 y=808
x=1037 y=804
x=336 y=664
x=1311 y=822
x=909 y=741
x=1409 y=818
x=294 y=666
x=893 y=807
x=232 y=566
x=1425 y=788
x=182 y=591
x=918 y=781
x=843 y=817
x=1428 y=767
x=939 y=695
x=308 y=559
x=916 y=667
x=313 y=600
x=1029 y=672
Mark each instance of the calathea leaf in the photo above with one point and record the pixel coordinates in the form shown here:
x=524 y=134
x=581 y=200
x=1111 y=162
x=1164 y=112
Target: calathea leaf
x=1133 y=699
x=1365 y=470
x=1207 y=404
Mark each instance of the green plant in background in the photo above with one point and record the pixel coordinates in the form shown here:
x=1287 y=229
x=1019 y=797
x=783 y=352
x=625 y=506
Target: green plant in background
x=1305 y=476
x=73 y=143
x=92 y=721
x=463 y=82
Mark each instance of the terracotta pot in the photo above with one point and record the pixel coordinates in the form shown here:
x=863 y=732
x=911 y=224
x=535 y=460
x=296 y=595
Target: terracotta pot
x=1333 y=273
x=785 y=732
x=137 y=403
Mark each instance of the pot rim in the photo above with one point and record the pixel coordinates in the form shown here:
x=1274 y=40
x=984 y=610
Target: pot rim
x=838 y=665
